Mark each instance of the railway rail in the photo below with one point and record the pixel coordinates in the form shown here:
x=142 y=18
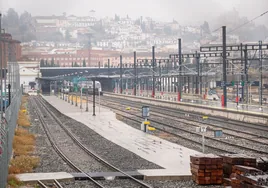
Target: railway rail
x=260 y=132
x=55 y=184
x=259 y=127
x=42 y=109
x=167 y=113
x=195 y=121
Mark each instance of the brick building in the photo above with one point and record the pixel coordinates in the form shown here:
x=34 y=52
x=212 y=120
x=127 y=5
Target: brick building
x=65 y=57
x=11 y=49
x=128 y=58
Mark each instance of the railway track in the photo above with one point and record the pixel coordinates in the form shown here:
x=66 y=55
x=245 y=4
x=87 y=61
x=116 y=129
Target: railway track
x=190 y=117
x=162 y=126
x=55 y=184
x=194 y=121
x=259 y=127
x=47 y=117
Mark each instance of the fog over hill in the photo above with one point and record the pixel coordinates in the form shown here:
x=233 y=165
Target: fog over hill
x=184 y=11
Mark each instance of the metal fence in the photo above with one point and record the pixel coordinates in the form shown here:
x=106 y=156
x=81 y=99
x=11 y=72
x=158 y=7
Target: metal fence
x=8 y=117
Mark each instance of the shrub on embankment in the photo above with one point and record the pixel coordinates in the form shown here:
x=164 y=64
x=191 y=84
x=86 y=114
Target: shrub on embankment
x=23 y=160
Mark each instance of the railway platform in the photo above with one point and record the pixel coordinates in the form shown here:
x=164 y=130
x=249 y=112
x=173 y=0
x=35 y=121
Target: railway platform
x=173 y=158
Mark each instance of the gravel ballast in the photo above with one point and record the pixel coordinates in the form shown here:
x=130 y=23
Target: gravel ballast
x=49 y=159
x=109 y=151
x=116 y=155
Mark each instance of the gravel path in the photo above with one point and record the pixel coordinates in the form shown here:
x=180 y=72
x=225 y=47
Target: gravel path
x=49 y=159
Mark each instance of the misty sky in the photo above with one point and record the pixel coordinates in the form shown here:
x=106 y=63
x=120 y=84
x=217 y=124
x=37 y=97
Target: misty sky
x=184 y=11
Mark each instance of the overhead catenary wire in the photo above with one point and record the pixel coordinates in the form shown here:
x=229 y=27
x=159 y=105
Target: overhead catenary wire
x=238 y=27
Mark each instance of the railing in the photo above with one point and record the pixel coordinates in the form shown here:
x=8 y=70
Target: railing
x=8 y=122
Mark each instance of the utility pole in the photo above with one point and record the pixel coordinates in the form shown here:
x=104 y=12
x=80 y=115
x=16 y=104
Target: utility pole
x=246 y=72
x=121 y=74
x=224 y=100
x=200 y=78
x=160 y=83
x=198 y=73
x=242 y=74
x=153 y=59
x=1 y=66
x=108 y=68
x=99 y=66
x=135 y=72
x=260 y=83
x=180 y=70
x=94 y=95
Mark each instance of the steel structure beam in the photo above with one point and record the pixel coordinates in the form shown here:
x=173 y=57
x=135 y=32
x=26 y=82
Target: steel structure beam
x=135 y=72
x=246 y=71
x=121 y=74
x=180 y=69
x=153 y=58
x=193 y=55
x=232 y=47
x=260 y=85
x=224 y=66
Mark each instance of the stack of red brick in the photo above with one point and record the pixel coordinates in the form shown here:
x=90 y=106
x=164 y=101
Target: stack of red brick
x=207 y=169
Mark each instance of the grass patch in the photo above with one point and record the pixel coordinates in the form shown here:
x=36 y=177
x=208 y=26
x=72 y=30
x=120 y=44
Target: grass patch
x=13 y=181
x=23 y=142
x=23 y=119
x=23 y=147
x=23 y=164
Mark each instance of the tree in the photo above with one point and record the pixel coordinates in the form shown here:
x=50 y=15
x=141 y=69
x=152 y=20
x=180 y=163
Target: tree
x=42 y=63
x=12 y=17
x=76 y=65
x=67 y=35
x=84 y=63
x=116 y=18
x=52 y=62
x=205 y=28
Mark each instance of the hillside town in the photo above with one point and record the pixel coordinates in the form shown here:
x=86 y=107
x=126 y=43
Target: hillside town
x=69 y=40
